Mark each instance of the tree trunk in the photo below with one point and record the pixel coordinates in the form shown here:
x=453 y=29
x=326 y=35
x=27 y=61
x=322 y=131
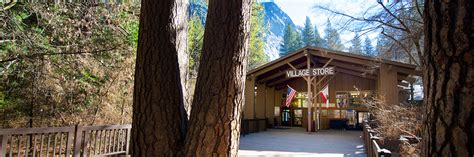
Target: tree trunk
x=448 y=78
x=214 y=126
x=159 y=118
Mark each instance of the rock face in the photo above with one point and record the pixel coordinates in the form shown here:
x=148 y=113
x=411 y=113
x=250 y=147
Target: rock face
x=199 y=9
x=275 y=19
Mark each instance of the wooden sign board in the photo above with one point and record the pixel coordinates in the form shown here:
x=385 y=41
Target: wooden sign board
x=310 y=72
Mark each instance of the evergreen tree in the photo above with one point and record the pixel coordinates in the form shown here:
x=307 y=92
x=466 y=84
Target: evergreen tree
x=291 y=40
x=356 y=45
x=298 y=41
x=195 y=36
x=257 y=35
x=383 y=47
x=286 y=45
x=196 y=22
x=161 y=45
x=308 y=34
x=319 y=42
x=368 y=48
x=333 y=40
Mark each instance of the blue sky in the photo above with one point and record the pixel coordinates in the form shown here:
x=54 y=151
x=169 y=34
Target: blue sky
x=299 y=9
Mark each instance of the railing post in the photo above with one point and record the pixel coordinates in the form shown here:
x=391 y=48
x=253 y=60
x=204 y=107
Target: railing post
x=384 y=153
x=70 y=142
x=248 y=126
x=77 y=141
x=245 y=127
x=3 y=149
x=370 y=135
x=127 y=149
x=373 y=139
x=258 y=125
x=266 y=124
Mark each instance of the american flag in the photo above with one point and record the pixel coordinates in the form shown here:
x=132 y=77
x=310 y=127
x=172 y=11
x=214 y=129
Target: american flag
x=289 y=96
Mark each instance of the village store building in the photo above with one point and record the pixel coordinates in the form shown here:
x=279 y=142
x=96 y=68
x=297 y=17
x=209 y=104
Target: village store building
x=352 y=80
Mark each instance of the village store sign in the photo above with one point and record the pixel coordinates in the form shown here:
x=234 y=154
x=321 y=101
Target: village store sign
x=310 y=72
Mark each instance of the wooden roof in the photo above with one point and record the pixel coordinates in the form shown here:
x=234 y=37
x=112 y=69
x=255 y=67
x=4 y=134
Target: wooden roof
x=274 y=72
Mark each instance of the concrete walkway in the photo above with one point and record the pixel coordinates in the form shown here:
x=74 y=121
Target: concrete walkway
x=297 y=142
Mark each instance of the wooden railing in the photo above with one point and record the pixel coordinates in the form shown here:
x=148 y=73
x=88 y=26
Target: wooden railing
x=253 y=125
x=66 y=141
x=372 y=146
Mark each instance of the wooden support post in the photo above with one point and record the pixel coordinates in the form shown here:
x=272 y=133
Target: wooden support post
x=310 y=96
x=319 y=106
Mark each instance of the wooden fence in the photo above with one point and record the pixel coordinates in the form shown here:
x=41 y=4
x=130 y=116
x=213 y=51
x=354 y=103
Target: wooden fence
x=253 y=125
x=66 y=141
x=371 y=143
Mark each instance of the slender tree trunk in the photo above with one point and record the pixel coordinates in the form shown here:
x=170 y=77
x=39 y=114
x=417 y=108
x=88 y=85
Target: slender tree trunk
x=159 y=118
x=214 y=126
x=448 y=78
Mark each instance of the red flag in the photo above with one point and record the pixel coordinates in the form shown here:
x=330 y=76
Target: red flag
x=325 y=95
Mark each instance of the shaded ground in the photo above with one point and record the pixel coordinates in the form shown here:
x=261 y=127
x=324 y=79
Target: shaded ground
x=297 y=142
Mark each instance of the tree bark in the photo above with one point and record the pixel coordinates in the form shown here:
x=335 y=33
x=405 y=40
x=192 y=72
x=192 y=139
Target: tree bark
x=214 y=126
x=448 y=78
x=159 y=119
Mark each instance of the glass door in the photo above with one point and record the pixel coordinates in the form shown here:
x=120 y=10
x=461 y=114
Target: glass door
x=285 y=117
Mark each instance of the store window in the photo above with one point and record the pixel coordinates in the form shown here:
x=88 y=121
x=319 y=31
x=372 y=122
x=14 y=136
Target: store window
x=277 y=111
x=353 y=99
x=300 y=100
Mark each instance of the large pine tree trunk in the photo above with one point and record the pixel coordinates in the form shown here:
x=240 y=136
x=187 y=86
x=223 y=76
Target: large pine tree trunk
x=214 y=125
x=448 y=78
x=159 y=119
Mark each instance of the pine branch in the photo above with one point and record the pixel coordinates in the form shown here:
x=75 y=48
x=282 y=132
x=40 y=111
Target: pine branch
x=403 y=47
x=362 y=19
x=30 y=56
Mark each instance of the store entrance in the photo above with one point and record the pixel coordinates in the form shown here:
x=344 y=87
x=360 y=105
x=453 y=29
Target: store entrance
x=286 y=116
x=291 y=116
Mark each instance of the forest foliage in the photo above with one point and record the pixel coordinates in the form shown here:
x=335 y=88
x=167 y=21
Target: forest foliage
x=294 y=39
x=68 y=64
x=258 y=30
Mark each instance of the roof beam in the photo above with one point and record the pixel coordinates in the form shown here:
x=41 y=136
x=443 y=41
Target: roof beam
x=352 y=67
x=324 y=85
x=284 y=80
x=273 y=64
x=341 y=57
x=360 y=57
x=275 y=75
x=354 y=73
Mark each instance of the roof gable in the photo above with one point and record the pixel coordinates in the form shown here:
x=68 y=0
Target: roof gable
x=274 y=72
